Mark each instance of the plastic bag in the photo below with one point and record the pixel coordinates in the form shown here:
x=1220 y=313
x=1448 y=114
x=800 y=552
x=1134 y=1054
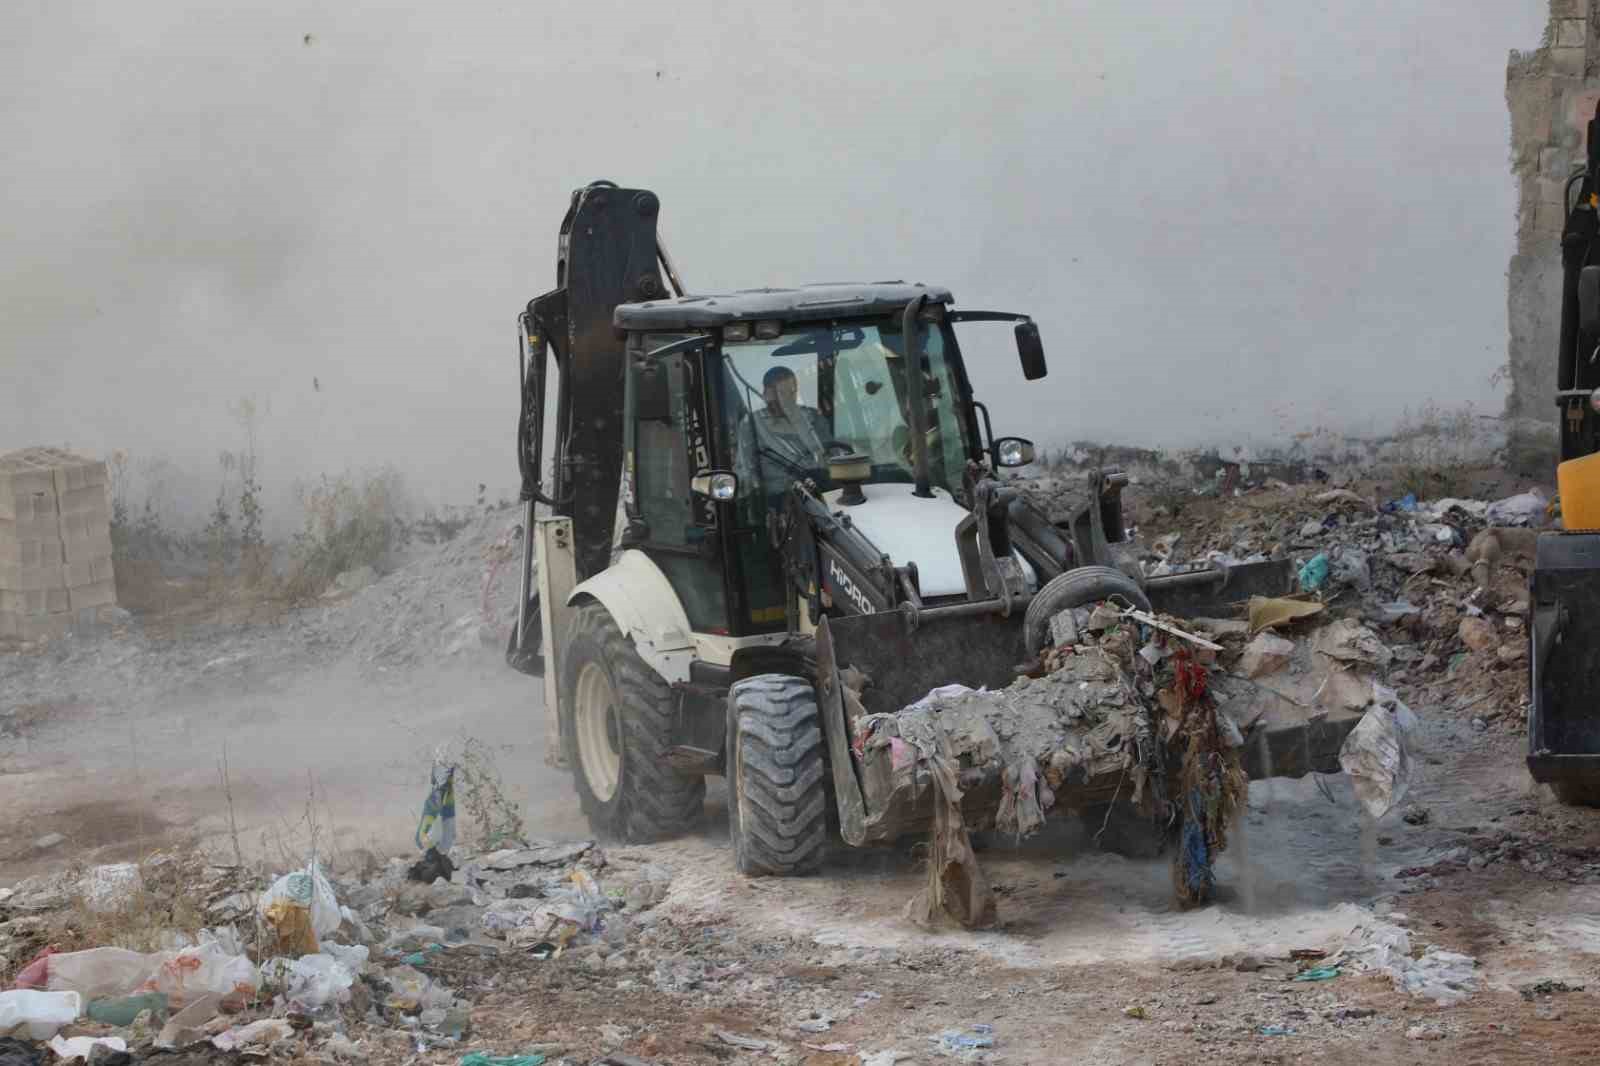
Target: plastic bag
x=412 y=992
x=315 y=981
x=437 y=827
x=191 y=973
x=82 y=1047
x=37 y=973
x=302 y=909
x=101 y=972
x=1375 y=757
x=37 y=1015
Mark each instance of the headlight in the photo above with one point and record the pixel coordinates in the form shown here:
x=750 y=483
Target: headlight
x=1594 y=400
x=721 y=487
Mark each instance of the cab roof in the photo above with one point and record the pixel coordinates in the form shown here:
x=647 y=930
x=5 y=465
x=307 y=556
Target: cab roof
x=804 y=303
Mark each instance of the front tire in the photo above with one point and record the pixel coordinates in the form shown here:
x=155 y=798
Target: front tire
x=616 y=727
x=777 y=791
x=1086 y=584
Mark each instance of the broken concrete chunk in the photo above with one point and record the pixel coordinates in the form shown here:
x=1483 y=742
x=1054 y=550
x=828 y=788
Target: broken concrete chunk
x=1266 y=654
x=1103 y=617
x=1348 y=641
x=1477 y=634
x=1345 y=690
x=1063 y=629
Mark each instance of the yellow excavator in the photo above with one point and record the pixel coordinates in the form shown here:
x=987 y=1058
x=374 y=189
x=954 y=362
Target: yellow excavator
x=1564 y=637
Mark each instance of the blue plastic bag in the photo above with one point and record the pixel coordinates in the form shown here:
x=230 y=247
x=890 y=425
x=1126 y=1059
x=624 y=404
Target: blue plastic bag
x=1314 y=574
x=437 y=829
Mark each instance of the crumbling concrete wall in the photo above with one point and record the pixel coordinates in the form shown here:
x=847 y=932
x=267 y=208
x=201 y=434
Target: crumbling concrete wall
x=1551 y=93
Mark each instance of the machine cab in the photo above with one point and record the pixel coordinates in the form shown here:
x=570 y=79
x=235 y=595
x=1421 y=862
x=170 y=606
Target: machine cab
x=731 y=400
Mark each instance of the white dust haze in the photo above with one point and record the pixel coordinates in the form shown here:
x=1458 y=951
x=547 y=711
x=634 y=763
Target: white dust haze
x=1230 y=218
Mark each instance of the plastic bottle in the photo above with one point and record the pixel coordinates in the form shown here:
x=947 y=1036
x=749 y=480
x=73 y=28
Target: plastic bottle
x=123 y=1010
x=37 y=1015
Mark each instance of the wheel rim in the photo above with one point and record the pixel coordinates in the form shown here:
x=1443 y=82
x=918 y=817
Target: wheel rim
x=598 y=732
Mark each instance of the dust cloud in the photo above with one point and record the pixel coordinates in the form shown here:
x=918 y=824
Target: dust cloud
x=1229 y=217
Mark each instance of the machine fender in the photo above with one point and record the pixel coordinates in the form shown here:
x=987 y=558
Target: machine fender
x=641 y=600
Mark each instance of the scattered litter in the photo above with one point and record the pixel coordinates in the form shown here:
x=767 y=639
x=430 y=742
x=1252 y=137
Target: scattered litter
x=1135 y=1011
x=265 y=1031
x=37 y=1015
x=1445 y=977
x=1269 y=613
x=746 y=1043
x=122 y=1010
x=1317 y=973
x=478 y=1058
x=971 y=1038
x=436 y=830
x=1524 y=509
x=1314 y=574
x=1547 y=987
x=80 y=1048
x=301 y=909
x=1276 y=1030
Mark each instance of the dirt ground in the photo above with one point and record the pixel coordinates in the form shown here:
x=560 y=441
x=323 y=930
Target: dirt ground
x=1092 y=961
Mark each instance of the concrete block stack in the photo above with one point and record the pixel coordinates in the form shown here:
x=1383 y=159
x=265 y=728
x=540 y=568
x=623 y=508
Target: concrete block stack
x=55 y=543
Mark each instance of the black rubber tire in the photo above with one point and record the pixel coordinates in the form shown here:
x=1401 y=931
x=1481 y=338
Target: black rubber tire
x=777 y=794
x=1577 y=793
x=652 y=801
x=1127 y=832
x=1086 y=584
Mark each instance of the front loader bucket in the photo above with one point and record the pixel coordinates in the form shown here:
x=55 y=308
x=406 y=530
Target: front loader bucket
x=1564 y=663
x=1216 y=592
x=900 y=667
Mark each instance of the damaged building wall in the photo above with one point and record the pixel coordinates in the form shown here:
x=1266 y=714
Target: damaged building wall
x=1551 y=93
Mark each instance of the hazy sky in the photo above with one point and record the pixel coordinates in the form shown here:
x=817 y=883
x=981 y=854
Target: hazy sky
x=1231 y=218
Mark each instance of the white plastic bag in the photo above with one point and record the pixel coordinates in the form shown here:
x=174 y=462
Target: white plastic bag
x=315 y=981
x=79 y=1048
x=302 y=909
x=1375 y=757
x=37 y=1015
x=100 y=972
x=191 y=973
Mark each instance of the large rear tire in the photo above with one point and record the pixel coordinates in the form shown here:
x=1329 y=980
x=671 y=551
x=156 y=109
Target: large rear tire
x=777 y=792
x=616 y=726
x=1086 y=584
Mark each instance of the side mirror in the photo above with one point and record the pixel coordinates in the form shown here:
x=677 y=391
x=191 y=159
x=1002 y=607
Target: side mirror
x=718 y=486
x=1589 y=300
x=1013 y=451
x=1030 y=349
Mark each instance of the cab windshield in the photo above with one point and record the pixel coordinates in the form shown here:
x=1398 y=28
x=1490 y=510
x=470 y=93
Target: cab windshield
x=792 y=401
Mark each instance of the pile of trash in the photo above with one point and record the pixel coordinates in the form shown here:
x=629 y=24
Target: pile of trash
x=1120 y=712
x=303 y=963
x=1443 y=583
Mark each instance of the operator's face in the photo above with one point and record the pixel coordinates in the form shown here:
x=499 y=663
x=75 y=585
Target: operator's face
x=782 y=394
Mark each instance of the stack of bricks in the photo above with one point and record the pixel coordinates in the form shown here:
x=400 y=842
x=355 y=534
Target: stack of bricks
x=55 y=543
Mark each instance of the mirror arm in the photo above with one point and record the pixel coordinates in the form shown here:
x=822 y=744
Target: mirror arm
x=917 y=394
x=986 y=316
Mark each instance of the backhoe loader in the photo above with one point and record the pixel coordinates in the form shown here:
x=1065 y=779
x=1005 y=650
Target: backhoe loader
x=752 y=492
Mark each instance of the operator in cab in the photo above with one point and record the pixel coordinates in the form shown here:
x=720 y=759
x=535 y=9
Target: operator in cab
x=782 y=440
